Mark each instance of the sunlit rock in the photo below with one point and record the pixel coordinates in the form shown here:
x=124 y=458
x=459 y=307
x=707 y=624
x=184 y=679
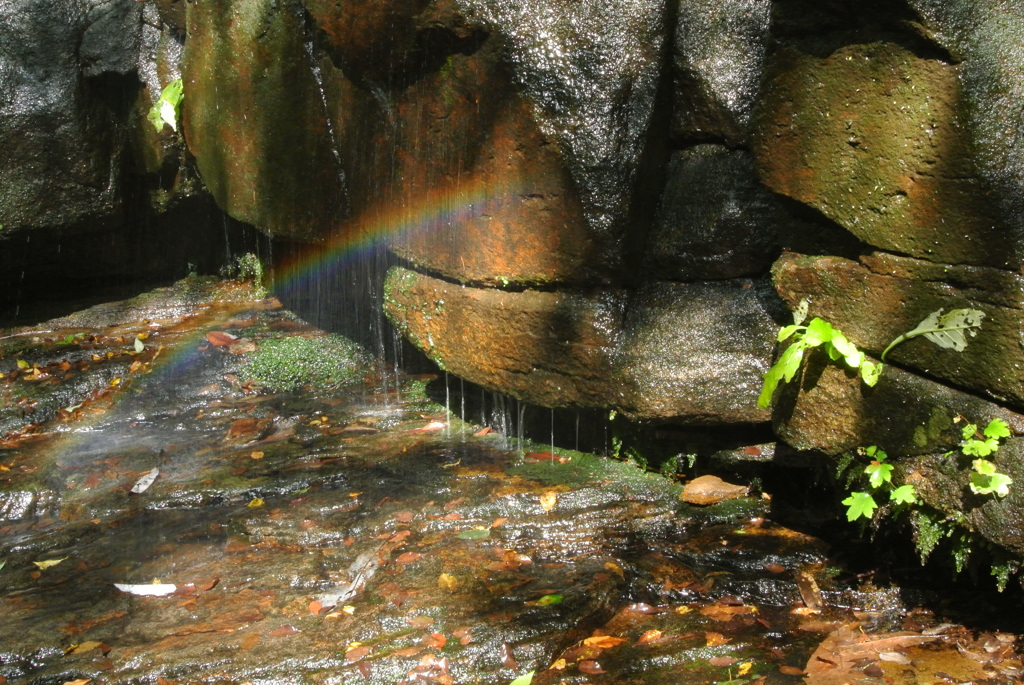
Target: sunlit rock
x=872 y=136
x=883 y=296
x=688 y=352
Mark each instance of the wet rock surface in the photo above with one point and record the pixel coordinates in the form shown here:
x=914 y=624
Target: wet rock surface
x=661 y=352
x=353 y=530
x=883 y=296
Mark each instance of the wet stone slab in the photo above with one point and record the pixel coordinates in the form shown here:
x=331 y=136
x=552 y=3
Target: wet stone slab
x=349 y=531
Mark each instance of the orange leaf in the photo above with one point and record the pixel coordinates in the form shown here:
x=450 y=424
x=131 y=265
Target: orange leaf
x=408 y=557
x=436 y=640
x=648 y=637
x=716 y=639
x=499 y=522
x=483 y=431
x=315 y=607
x=791 y=670
x=604 y=641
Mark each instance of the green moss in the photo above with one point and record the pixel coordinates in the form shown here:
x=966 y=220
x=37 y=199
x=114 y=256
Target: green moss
x=290 y=363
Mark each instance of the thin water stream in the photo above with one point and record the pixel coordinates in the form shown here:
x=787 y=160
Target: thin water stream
x=330 y=528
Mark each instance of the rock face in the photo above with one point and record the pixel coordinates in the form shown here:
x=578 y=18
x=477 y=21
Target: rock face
x=659 y=353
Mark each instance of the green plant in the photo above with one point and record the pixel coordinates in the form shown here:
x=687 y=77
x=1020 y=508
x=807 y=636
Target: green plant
x=250 y=269
x=167 y=108
x=817 y=333
x=945 y=330
x=862 y=504
x=985 y=479
x=288 y=363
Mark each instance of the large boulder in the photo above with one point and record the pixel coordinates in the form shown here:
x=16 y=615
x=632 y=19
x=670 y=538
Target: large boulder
x=689 y=353
x=872 y=136
x=718 y=57
x=882 y=296
x=58 y=156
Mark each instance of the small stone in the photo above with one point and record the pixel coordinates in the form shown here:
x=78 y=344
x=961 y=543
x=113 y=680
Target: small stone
x=711 y=490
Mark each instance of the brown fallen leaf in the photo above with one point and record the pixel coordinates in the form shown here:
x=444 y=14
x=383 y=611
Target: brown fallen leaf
x=85 y=647
x=486 y=430
x=722 y=613
x=249 y=641
x=791 y=670
x=508 y=659
x=499 y=522
x=590 y=667
x=722 y=660
x=464 y=634
x=420 y=621
x=408 y=651
x=220 y=339
x=408 y=557
x=454 y=503
x=405 y=516
x=356 y=653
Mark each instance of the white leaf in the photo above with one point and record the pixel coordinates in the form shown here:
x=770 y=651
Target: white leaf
x=148 y=589
x=800 y=313
x=168 y=114
x=947 y=330
x=143 y=483
x=139 y=345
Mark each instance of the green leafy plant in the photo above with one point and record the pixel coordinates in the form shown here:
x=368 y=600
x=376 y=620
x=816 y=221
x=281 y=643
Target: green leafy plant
x=985 y=479
x=862 y=504
x=818 y=333
x=167 y=108
x=948 y=331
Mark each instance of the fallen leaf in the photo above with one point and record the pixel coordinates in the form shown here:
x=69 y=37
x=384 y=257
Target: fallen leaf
x=405 y=516
x=508 y=659
x=498 y=522
x=80 y=681
x=315 y=607
x=454 y=516
x=356 y=653
x=22 y=364
x=473 y=534
x=550 y=599
x=142 y=484
x=430 y=427
x=603 y=641
x=791 y=670
x=744 y=668
x=84 y=647
x=648 y=637
x=548 y=500
x=716 y=639
x=464 y=634
x=255 y=503
x=615 y=568
x=408 y=557
x=220 y=339
x=454 y=503
x=721 y=612
x=420 y=621
x=774 y=568
x=722 y=660
x=249 y=641
x=283 y=630
x=256 y=455
x=483 y=431
x=435 y=640
x=895 y=657
x=408 y=651
x=590 y=667
x=448 y=582
x=147 y=589
x=43 y=565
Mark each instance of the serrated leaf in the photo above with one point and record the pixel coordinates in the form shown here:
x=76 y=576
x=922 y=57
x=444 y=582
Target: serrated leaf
x=878 y=474
x=904 y=494
x=800 y=313
x=784 y=369
x=968 y=431
x=859 y=504
x=997 y=428
x=870 y=373
x=987 y=484
x=979 y=448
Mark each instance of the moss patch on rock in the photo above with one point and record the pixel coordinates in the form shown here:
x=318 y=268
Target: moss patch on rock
x=290 y=363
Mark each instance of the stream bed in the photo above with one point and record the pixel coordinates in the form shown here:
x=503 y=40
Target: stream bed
x=315 y=518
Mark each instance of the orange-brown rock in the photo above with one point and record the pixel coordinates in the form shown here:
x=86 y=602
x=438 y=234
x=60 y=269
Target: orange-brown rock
x=707 y=490
x=691 y=353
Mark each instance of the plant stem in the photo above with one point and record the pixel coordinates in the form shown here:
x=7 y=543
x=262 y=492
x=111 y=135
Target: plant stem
x=915 y=333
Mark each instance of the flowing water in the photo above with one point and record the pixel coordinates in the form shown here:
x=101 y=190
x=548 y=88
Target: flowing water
x=344 y=528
